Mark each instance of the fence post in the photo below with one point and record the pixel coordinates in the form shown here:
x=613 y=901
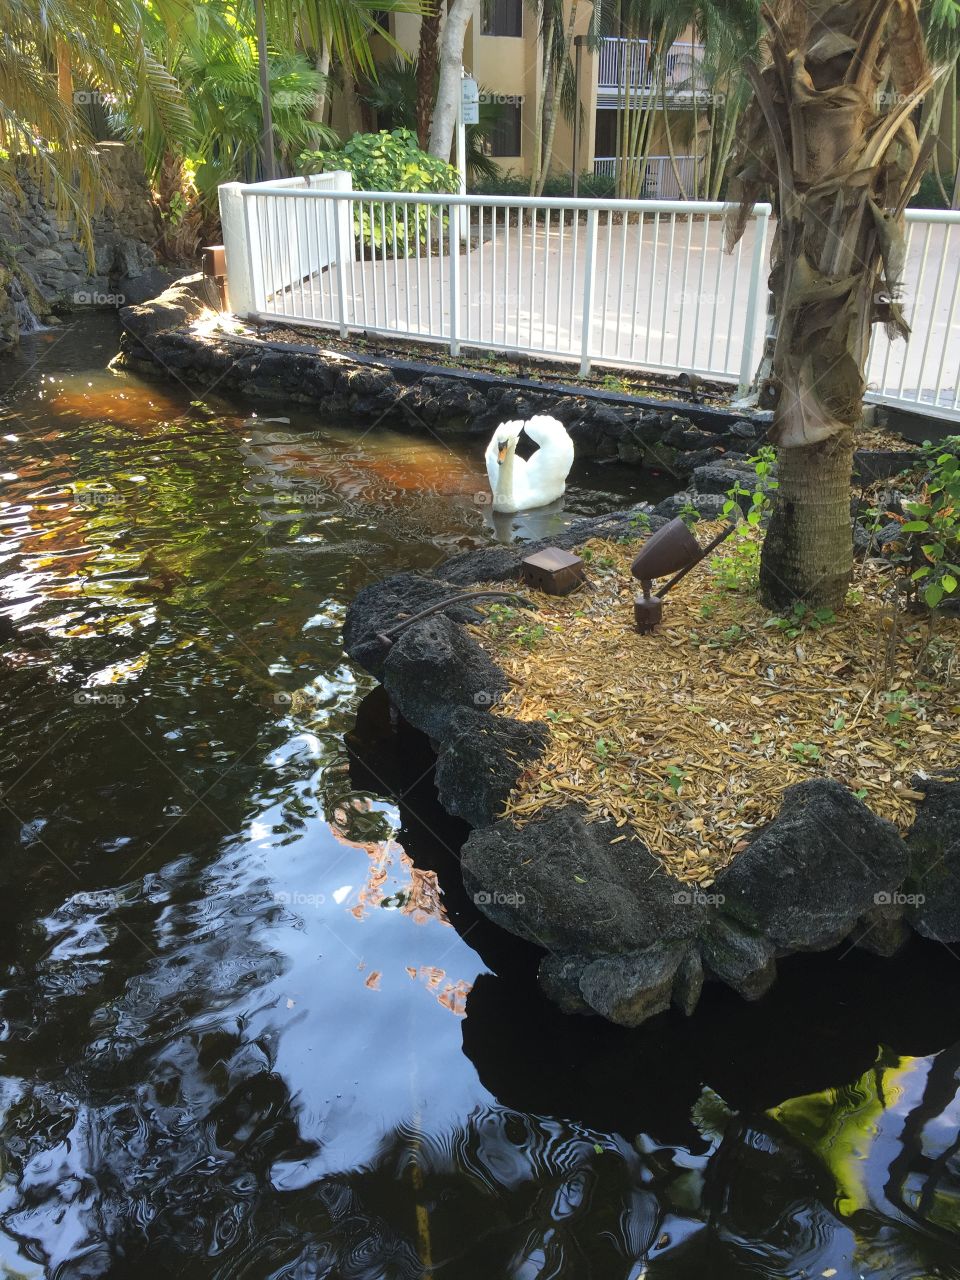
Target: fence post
x=589 y=273
x=343 y=221
x=453 y=241
x=748 y=358
x=242 y=294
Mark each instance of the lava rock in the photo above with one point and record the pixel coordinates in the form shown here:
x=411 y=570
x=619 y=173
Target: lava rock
x=480 y=759
x=744 y=960
x=812 y=872
x=182 y=302
x=685 y=436
x=746 y=431
x=380 y=606
x=435 y=666
x=934 y=845
x=563 y=884
x=870 y=465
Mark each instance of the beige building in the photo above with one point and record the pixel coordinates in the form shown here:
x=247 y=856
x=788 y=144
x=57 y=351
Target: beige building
x=501 y=52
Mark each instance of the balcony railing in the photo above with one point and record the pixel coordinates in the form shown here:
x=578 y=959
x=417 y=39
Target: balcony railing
x=626 y=63
x=661 y=181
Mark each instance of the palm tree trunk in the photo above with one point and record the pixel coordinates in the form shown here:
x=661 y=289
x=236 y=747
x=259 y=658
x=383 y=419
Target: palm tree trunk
x=808 y=550
x=459 y=13
x=427 y=70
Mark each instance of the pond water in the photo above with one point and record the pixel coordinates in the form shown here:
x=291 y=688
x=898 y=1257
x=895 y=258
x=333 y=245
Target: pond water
x=252 y=1025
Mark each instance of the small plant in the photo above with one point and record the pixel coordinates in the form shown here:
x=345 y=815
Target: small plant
x=802 y=618
x=804 y=752
x=932 y=534
x=675 y=778
x=728 y=637
x=689 y=514
x=900 y=706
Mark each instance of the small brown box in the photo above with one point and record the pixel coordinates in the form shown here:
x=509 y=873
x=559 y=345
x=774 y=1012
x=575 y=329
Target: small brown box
x=213 y=260
x=553 y=571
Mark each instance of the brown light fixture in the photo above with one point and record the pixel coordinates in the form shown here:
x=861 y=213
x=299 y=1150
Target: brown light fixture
x=553 y=571
x=672 y=549
x=213 y=264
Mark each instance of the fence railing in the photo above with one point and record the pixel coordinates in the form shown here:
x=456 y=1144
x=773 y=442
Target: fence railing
x=630 y=283
x=638 y=283
x=664 y=177
x=923 y=374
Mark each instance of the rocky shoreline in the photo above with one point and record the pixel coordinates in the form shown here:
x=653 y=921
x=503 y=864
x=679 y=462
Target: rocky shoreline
x=621 y=937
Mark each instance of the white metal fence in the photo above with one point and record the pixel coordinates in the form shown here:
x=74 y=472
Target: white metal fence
x=641 y=283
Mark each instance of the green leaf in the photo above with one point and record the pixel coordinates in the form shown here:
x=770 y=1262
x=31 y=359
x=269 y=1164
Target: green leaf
x=948 y=582
x=933 y=595
x=915 y=526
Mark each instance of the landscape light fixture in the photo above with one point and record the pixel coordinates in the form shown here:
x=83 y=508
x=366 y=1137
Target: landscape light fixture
x=553 y=571
x=213 y=264
x=672 y=549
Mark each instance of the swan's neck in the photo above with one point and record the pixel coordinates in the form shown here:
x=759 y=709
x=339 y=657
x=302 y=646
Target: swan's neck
x=506 y=477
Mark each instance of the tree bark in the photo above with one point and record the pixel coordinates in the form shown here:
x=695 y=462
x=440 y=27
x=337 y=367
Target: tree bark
x=459 y=13
x=427 y=71
x=808 y=549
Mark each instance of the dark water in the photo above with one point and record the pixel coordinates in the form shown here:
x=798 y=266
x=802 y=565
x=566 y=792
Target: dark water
x=252 y=1027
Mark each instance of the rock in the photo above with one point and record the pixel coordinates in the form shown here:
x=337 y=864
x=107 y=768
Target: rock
x=480 y=759
x=434 y=667
x=746 y=431
x=685 y=436
x=882 y=930
x=716 y=478
x=176 y=306
x=812 y=872
x=632 y=988
x=147 y=285
x=562 y=884
x=934 y=845
x=744 y=960
x=870 y=465
x=382 y=605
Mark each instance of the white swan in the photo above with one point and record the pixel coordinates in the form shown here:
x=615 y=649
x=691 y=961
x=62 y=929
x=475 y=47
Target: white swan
x=520 y=485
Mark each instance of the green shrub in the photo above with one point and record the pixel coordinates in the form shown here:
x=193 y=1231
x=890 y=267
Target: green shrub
x=928 y=194
x=389 y=161
x=931 y=535
x=591 y=186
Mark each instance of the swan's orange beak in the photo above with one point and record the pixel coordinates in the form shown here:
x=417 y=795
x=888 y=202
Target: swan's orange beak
x=502 y=451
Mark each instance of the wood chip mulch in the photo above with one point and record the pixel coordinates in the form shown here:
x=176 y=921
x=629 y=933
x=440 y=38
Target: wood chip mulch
x=689 y=737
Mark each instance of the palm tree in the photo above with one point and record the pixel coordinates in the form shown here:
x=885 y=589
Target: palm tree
x=99 y=45
x=830 y=130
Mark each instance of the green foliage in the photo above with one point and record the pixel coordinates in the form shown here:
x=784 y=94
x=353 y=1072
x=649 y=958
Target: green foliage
x=802 y=618
x=689 y=514
x=386 y=161
x=804 y=752
x=737 y=568
x=928 y=549
x=390 y=161
x=590 y=186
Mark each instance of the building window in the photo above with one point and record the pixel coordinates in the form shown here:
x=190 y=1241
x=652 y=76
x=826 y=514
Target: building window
x=505 y=134
x=502 y=18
